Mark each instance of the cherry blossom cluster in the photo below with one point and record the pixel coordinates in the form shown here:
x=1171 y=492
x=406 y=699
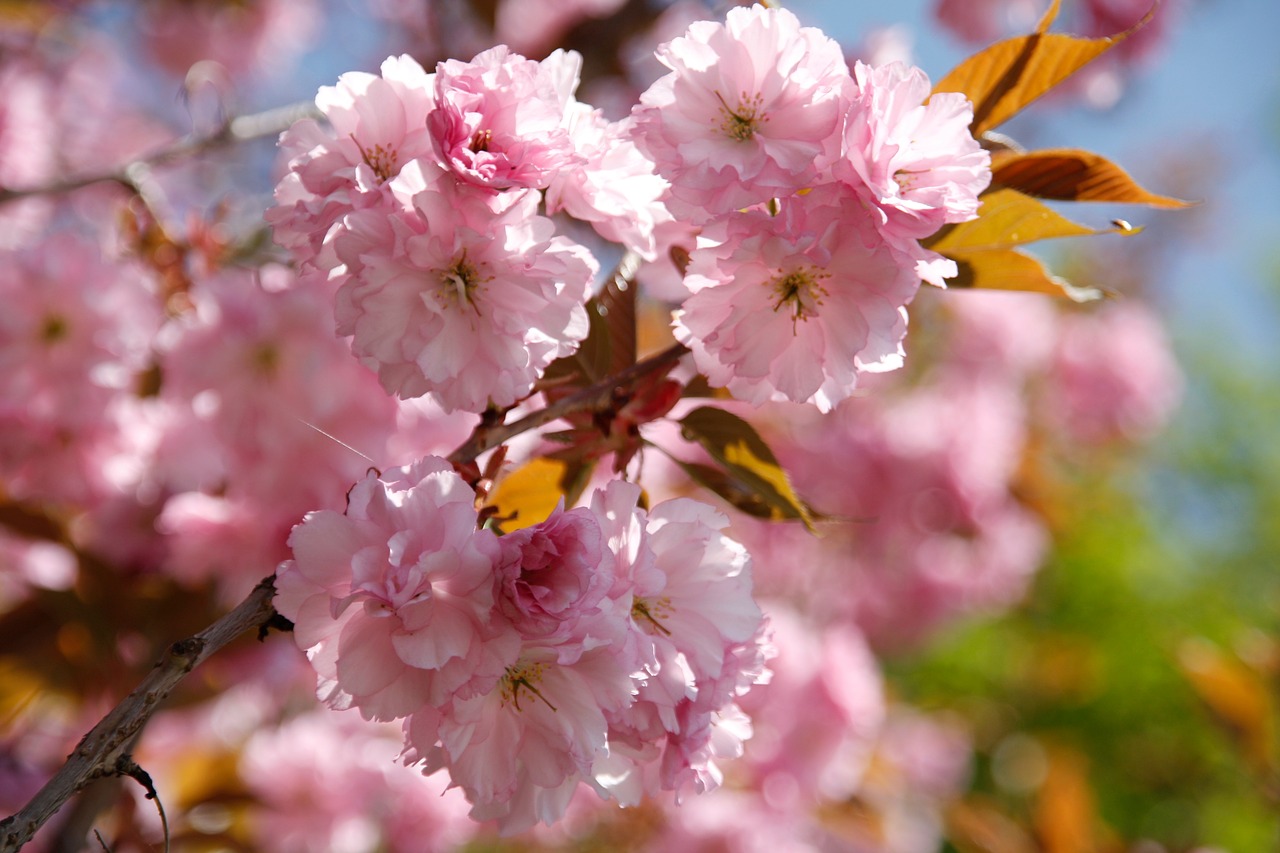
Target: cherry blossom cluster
x=809 y=185
x=813 y=184
x=421 y=199
x=604 y=646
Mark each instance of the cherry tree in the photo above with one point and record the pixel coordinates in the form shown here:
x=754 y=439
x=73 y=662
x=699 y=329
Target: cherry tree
x=582 y=453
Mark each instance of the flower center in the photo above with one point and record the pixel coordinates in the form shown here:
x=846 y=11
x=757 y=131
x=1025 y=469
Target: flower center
x=458 y=283
x=743 y=122
x=522 y=676
x=381 y=160
x=802 y=289
x=480 y=142
x=651 y=613
x=54 y=328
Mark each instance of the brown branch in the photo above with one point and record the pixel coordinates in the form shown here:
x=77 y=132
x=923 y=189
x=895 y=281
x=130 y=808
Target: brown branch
x=595 y=398
x=134 y=175
x=99 y=751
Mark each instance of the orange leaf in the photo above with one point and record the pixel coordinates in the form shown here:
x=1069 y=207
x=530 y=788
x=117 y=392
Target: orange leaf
x=1065 y=814
x=1069 y=174
x=1050 y=15
x=1009 y=269
x=1235 y=694
x=1003 y=78
x=1006 y=218
x=528 y=494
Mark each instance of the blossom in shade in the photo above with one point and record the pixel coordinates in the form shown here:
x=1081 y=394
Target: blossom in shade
x=376 y=124
x=500 y=120
x=554 y=574
x=917 y=162
x=616 y=190
x=392 y=599
x=750 y=111
x=796 y=306
x=255 y=379
x=699 y=633
x=467 y=295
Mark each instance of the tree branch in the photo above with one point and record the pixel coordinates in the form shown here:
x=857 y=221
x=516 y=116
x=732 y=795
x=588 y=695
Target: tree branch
x=99 y=751
x=595 y=398
x=133 y=175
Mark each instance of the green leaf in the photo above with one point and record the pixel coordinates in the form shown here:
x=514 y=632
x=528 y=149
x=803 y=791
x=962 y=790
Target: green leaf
x=731 y=489
x=737 y=446
x=1007 y=76
x=1068 y=174
x=1009 y=269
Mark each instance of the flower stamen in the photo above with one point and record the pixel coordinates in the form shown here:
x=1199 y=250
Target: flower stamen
x=803 y=289
x=652 y=612
x=524 y=675
x=459 y=282
x=381 y=160
x=741 y=124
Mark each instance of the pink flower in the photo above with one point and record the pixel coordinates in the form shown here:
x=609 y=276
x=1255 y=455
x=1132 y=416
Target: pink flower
x=916 y=161
x=522 y=749
x=392 y=600
x=699 y=632
x=328 y=784
x=796 y=306
x=553 y=575
x=500 y=119
x=1113 y=376
x=468 y=295
x=255 y=382
x=817 y=721
x=616 y=190
x=750 y=111
x=534 y=27
x=75 y=333
x=987 y=20
x=377 y=124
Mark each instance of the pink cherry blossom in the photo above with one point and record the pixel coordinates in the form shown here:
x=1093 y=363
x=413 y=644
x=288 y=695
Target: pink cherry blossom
x=699 y=632
x=750 y=111
x=987 y=20
x=242 y=37
x=520 y=751
x=500 y=120
x=796 y=306
x=255 y=379
x=328 y=784
x=377 y=124
x=552 y=575
x=392 y=599
x=468 y=295
x=1113 y=376
x=816 y=723
x=917 y=162
x=616 y=190
x=74 y=337
x=534 y=27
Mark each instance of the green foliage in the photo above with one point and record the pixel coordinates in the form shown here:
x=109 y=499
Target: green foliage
x=1150 y=643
